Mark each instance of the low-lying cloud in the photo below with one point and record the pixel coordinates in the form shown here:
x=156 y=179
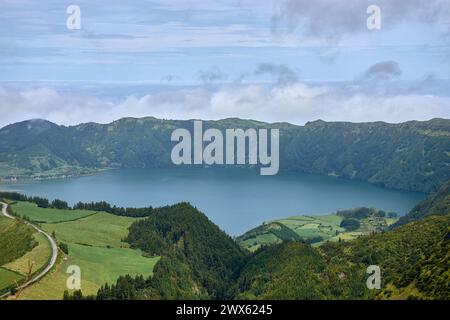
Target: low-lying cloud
x=294 y=102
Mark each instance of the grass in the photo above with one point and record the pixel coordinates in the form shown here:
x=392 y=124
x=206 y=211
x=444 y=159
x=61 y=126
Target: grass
x=45 y=215
x=40 y=256
x=327 y=227
x=308 y=226
x=98 y=266
x=255 y=242
x=16 y=240
x=95 y=245
x=101 y=229
x=8 y=278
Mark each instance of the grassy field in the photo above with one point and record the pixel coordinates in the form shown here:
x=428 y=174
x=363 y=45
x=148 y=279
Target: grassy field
x=34 y=213
x=98 y=266
x=95 y=245
x=39 y=256
x=16 y=239
x=101 y=230
x=20 y=245
x=313 y=226
x=8 y=278
x=313 y=229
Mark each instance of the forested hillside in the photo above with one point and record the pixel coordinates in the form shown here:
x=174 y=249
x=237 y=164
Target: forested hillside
x=435 y=204
x=197 y=258
x=410 y=156
x=414 y=261
x=198 y=261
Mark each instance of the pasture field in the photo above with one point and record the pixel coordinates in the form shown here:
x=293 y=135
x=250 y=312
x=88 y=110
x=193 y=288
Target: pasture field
x=94 y=241
x=101 y=229
x=39 y=256
x=7 y=278
x=253 y=243
x=47 y=215
x=16 y=240
x=98 y=266
x=308 y=226
x=313 y=229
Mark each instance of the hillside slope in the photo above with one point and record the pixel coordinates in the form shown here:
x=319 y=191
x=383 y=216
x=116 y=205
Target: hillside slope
x=414 y=259
x=435 y=204
x=198 y=260
x=411 y=156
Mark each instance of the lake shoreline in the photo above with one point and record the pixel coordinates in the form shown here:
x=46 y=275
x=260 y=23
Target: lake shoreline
x=236 y=199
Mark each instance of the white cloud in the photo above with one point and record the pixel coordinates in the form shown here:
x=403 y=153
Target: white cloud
x=295 y=103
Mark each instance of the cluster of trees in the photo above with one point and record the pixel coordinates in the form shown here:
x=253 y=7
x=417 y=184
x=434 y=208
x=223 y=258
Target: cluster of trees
x=64 y=248
x=119 y=211
x=39 y=201
x=350 y=224
x=364 y=212
x=126 y=288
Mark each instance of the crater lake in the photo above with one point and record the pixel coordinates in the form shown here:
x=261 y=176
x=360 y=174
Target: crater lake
x=236 y=199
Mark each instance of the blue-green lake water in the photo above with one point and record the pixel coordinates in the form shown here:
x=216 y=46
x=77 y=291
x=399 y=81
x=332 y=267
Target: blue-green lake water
x=236 y=199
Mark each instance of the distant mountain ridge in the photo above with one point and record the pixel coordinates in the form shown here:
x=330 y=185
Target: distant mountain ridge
x=414 y=155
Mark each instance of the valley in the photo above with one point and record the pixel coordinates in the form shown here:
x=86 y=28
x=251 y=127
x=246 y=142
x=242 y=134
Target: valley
x=348 y=195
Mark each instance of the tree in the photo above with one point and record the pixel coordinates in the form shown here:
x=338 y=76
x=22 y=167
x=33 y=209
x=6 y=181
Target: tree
x=350 y=224
x=66 y=295
x=64 y=248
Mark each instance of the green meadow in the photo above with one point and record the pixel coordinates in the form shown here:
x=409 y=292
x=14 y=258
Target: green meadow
x=312 y=229
x=38 y=256
x=20 y=245
x=8 y=278
x=94 y=241
x=47 y=215
x=98 y=266
x=101 y=230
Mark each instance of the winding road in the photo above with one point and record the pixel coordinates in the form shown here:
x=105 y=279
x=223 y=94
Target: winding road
x=50 y=239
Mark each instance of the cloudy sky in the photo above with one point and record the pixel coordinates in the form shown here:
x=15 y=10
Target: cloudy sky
x=271 y=60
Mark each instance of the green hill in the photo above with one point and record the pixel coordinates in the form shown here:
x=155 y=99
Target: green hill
x=414 y=259
x=411 y=156
x=198 y=259
x=435 y=204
